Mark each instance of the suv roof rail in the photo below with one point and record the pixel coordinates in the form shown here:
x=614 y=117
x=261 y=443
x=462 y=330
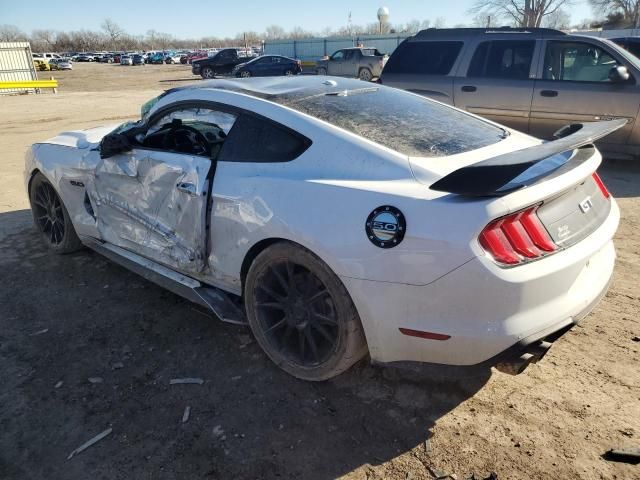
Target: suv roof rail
x=435 y=32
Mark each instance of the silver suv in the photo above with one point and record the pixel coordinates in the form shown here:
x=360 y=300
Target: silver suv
x=533 y=80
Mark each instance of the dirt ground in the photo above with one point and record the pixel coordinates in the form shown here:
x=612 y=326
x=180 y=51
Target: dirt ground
x=65 y=319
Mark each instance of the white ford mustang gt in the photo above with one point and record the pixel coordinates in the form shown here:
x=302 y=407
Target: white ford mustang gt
x=340 y=219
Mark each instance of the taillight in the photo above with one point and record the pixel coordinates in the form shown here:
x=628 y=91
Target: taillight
x=517 y=238
x=603 y=189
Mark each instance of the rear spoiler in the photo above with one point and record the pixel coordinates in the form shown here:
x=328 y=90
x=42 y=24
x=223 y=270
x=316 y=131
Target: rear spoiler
x=511 y=171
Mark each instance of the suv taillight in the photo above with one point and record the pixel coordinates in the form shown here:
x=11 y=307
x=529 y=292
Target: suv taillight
x=517 y=238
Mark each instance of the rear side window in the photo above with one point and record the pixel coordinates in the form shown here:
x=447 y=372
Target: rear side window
x=255 y=139
x=407 y=123
x=432 y=58
x=502 y=59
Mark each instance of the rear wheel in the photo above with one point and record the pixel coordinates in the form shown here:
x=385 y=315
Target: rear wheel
x=208 y=72
x=365 y=74
x=301 y=314
x=51 y=217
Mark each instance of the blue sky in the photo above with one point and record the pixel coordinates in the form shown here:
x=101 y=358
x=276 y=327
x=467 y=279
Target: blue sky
x=197 y=18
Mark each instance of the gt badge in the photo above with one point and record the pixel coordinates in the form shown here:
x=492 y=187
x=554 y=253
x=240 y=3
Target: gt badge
x=385 y=226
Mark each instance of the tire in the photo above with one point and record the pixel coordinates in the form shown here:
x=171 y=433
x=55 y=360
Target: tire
x=289 y=73
x=301 y=314
x=321 y=71
x=51 y=217
x=208 y=72
x=245 y=74
x=365 y=75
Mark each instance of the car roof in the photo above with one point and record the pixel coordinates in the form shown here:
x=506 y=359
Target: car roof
x=282 y=90
x=438 y=33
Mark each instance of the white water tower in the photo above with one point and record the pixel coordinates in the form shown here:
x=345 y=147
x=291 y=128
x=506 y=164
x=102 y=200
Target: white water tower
x=383 y=16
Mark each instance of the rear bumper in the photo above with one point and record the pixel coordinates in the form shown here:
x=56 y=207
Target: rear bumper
x=488 y=312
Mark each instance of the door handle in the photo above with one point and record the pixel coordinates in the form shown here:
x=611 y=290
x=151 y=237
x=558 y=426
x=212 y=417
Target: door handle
x=468 y=88
x=188 y=188
x=549 y=93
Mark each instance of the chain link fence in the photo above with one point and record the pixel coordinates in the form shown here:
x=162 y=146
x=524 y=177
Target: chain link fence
x=312 y=49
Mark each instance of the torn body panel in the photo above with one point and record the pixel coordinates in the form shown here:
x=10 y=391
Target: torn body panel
x=153 y=203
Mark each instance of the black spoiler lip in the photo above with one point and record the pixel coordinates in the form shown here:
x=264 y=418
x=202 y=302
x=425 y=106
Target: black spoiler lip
x=490 y=177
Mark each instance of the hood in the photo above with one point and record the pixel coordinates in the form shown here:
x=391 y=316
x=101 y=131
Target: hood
x=81 y=138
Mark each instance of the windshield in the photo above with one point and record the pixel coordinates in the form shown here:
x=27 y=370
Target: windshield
x=407 y=123
x=630 y=57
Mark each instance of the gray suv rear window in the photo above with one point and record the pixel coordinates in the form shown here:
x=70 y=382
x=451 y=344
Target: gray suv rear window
x=407 y=123
x=433 y=58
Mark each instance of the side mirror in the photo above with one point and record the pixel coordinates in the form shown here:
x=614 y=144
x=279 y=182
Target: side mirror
x=619 y=74
x=113 y=144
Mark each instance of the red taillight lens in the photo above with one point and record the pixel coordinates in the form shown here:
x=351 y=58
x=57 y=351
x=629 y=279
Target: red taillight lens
x=603 y=189
x=516 y=238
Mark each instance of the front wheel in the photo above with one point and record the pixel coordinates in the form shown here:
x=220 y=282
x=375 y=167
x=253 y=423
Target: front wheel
x=301 y=314
x=365 y=75
x=289 y=73
x=207 y=72
x=51 y=217
x=245 y=74
x=322 y=71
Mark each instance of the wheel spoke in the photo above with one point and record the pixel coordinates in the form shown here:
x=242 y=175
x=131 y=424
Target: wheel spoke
x=317 y=295
x=283 y=283
x=301 y=344
x=324 y=319
x=323 y=331
x=312 y=343
x=276 y=325
x=271 y=293
x=276 y=305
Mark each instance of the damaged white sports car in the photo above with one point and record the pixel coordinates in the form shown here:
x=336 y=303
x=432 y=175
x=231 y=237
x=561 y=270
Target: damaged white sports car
x=340 y=219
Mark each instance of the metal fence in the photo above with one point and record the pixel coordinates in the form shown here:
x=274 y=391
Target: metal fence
x=311 y=49
x=16 y=64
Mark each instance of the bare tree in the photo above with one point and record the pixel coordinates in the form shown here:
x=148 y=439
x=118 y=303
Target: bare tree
x=521 y=13
x=44 y=40
x=274 y=32
x=559 y=19
x=630 y=9
x=11 y=33
x=113 y=31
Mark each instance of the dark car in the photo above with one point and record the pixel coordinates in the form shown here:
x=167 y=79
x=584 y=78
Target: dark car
x=536 y=80
x=631 y=44
x=268 y=65
x=137 y=59
x=221 y=63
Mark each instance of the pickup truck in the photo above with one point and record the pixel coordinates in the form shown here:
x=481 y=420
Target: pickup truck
x=221 y=63
x=361 y=62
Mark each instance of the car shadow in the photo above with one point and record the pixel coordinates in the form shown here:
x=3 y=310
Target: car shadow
x=622 y=177
x=69 y=318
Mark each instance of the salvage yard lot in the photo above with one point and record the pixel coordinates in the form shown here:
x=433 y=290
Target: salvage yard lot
x=66 y=319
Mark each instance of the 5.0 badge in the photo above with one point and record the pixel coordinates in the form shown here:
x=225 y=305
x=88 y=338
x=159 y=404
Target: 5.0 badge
x=386 y=226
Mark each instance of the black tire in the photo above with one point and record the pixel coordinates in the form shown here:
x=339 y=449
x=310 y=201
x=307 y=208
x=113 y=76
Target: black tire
x=51 y=217
x=289 y=73
x=321 y=71
x=301 y=314
x=245 y=74
x=208 y=73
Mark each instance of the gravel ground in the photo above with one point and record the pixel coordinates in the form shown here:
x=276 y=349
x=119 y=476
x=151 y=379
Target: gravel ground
x=67 y=319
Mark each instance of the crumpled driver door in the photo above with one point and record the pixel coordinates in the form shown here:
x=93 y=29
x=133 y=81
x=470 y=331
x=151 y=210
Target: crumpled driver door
x=154 y=203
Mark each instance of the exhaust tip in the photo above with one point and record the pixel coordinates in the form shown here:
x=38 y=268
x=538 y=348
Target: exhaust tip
x=516 y=366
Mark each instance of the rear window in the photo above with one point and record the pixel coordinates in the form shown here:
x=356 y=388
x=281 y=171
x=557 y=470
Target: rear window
x=407 y=123
x=502 y=59
x=433 y=58
x=371 y=52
